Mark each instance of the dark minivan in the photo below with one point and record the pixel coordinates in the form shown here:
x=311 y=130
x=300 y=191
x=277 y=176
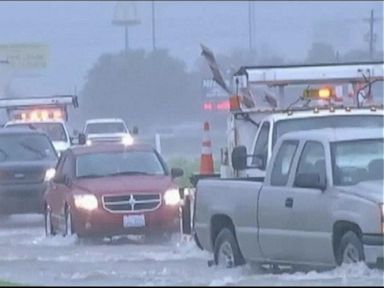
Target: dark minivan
x=27 y=161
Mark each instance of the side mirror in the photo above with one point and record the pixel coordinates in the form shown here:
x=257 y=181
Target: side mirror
x=239 y=158
x=135 y=130
x=176 y=172
x=310 y=180
x=67 y=181
x=82 y=139
x=59 y=178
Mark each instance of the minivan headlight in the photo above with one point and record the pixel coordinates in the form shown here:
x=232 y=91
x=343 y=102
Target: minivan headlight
x=49 y=174
x=172 y=197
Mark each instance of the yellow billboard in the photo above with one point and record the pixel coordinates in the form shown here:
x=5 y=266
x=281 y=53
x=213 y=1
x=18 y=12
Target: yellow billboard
x=25 y=55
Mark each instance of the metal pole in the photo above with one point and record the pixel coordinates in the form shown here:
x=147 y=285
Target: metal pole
x=158 y=143
x=153 y=26
x=371 y=20
x=126 y=38
x=250 y=25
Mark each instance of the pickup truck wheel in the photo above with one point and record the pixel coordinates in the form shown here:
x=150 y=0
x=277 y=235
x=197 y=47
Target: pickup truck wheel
x=226 y=251
x=350 y=249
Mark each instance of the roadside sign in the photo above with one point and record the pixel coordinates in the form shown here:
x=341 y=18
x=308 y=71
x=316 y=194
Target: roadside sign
x=25 y=55
x=212 y=90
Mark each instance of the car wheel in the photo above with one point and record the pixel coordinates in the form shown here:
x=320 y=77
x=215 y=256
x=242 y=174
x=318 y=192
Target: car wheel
x=68 y=228
x=350 y=249
x=226 y=250
x=49 y=230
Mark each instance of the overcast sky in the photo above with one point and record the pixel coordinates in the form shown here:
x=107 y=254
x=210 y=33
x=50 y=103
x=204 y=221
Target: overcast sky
x=77 y=33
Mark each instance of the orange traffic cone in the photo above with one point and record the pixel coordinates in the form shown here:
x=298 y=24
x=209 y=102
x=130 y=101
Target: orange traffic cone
x=206 y=160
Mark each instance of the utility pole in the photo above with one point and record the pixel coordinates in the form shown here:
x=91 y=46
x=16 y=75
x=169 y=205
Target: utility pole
x=153 y=26
x=371 y=36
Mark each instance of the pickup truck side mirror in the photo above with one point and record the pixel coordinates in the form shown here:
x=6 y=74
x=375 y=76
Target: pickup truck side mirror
x=76 y=133
x=310 y=180
x=239 y=158
x=176 y=172
x=135 y=130
x=82 y=139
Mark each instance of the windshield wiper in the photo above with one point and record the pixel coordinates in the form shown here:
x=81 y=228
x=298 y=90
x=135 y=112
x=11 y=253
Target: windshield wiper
x=114 y=174
x=91 y=176
x=129 y=173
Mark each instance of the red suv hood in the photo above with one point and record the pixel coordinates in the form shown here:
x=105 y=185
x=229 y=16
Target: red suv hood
x=124 y=184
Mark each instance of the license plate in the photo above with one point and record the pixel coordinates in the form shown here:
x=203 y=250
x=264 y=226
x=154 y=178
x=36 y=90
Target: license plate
x=133 y=221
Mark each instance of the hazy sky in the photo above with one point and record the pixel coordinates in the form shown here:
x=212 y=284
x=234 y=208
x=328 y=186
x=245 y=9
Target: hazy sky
x=77 y=33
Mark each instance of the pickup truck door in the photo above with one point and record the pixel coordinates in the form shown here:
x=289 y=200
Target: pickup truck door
x=311 y=223
x=274 y=206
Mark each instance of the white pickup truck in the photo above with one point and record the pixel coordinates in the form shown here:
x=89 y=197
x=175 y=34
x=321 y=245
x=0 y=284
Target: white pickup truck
x=112 y=130
x=321 y=203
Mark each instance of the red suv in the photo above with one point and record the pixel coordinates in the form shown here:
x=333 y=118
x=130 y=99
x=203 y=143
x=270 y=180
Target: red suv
x=112 y=189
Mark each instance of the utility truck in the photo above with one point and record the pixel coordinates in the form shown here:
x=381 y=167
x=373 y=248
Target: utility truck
x=46 y=114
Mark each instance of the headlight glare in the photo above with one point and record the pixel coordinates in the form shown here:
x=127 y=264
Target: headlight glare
x=89 y=142
x=127 y=140
x=49 y=174
x=172 y=197
x=86 y=201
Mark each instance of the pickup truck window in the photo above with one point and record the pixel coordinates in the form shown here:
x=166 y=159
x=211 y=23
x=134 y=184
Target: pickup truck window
x=283 y=163
x=335 y=121
x=55 y=131
x=107 y=127
x=261 y=146
x=312 y=159
x=357 y=161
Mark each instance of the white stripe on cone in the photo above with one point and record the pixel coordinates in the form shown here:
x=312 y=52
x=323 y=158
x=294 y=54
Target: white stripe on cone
x=206 y=150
